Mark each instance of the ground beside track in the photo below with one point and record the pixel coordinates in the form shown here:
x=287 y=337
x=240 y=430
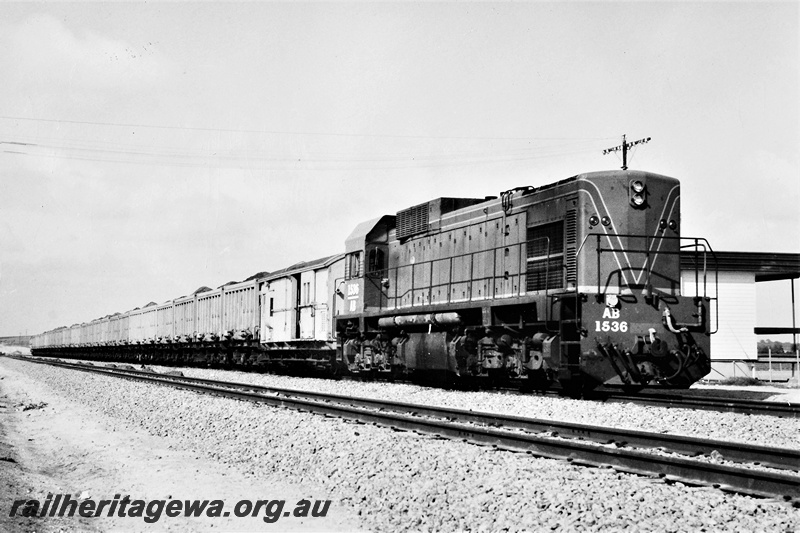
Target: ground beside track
x=66 y=447
x=769 y=393
x=398 y=481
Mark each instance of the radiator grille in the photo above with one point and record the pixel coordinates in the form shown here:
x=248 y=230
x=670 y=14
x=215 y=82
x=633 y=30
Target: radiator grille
x=412 y=221
x=545 y=245
x=571 y=245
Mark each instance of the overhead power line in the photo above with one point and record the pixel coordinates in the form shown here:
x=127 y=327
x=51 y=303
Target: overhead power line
x=277 y=161
x=282 y=132
x=240 y=148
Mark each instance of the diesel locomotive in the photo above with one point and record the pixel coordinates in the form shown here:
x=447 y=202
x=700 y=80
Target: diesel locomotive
x=577 y=283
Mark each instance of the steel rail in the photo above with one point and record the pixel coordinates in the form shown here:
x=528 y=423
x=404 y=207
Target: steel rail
x=727 y=405
x=772 y=457
x=455 y=424
x=683 y=401
x=689 y=401
x=671 y=400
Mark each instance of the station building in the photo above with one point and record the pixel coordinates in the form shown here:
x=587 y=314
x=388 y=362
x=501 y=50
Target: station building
x=733 y=282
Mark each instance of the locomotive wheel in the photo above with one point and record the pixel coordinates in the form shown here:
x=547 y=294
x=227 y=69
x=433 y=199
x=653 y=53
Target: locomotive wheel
x=497 y=378
x=537 y=381
x=336 y=370
x=678 y=384
x=396 y=374
x=574 y=388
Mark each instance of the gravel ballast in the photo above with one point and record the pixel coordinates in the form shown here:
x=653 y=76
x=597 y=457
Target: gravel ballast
x=397 y=480
x=734 y=427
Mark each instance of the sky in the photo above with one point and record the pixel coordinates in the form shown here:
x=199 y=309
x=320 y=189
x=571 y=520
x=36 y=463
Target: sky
x=148 y=149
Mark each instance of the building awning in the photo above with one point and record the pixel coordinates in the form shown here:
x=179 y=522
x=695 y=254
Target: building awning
x=765 y=266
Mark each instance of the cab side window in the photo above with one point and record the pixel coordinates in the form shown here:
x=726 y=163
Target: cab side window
x=376 y=263
x=353 y=266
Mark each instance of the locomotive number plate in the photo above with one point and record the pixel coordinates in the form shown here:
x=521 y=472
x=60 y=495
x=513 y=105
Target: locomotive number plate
x=611 y=325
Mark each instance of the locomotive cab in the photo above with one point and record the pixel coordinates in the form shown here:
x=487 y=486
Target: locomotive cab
x=629 y=269
x=361 y=289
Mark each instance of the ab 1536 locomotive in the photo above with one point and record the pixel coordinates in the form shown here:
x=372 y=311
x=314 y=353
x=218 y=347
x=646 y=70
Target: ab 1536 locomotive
x=577 y=282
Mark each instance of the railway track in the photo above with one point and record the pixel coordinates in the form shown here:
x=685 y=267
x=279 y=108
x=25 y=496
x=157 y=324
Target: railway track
x=760 y=471
x=682 y=401
x=665 y=399
x=728 y=405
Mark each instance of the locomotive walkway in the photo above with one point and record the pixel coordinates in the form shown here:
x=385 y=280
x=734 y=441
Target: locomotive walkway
x=761 y=471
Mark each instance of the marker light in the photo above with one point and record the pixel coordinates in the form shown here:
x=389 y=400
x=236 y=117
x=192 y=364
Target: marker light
x=593 y=220
x=606 y=221
x=673 y=225
x=663 y=224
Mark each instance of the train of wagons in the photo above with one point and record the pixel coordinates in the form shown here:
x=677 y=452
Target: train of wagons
x=577 y=283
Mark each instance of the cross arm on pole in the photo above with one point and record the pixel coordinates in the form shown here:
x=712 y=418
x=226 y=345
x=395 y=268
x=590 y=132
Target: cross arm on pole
x=624 y=148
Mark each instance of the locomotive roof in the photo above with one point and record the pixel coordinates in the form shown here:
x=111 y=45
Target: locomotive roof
x=600 y=174
x=356 y=239
x=596 y=175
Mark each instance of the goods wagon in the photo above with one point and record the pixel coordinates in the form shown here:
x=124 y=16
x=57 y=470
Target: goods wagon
x=297 y=313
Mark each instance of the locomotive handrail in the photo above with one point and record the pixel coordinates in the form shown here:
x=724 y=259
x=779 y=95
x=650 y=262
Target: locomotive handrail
x=385 y=274
x=380 y=278
x=706 y=247
x=469 y=281
x=521 y=276
x=698 y=244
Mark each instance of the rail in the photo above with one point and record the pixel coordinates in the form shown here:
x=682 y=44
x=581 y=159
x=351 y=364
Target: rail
x=609 y=449
x=702 y=403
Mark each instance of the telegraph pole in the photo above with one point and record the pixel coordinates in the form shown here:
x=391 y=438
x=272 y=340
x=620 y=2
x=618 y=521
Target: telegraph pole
x=794 y=322
x=624 y=147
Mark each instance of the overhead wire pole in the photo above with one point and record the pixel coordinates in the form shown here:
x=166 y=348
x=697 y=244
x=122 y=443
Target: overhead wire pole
x=794 y=338
x=624 y=147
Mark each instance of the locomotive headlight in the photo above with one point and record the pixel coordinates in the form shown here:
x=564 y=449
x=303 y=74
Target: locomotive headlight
x=637 y=194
